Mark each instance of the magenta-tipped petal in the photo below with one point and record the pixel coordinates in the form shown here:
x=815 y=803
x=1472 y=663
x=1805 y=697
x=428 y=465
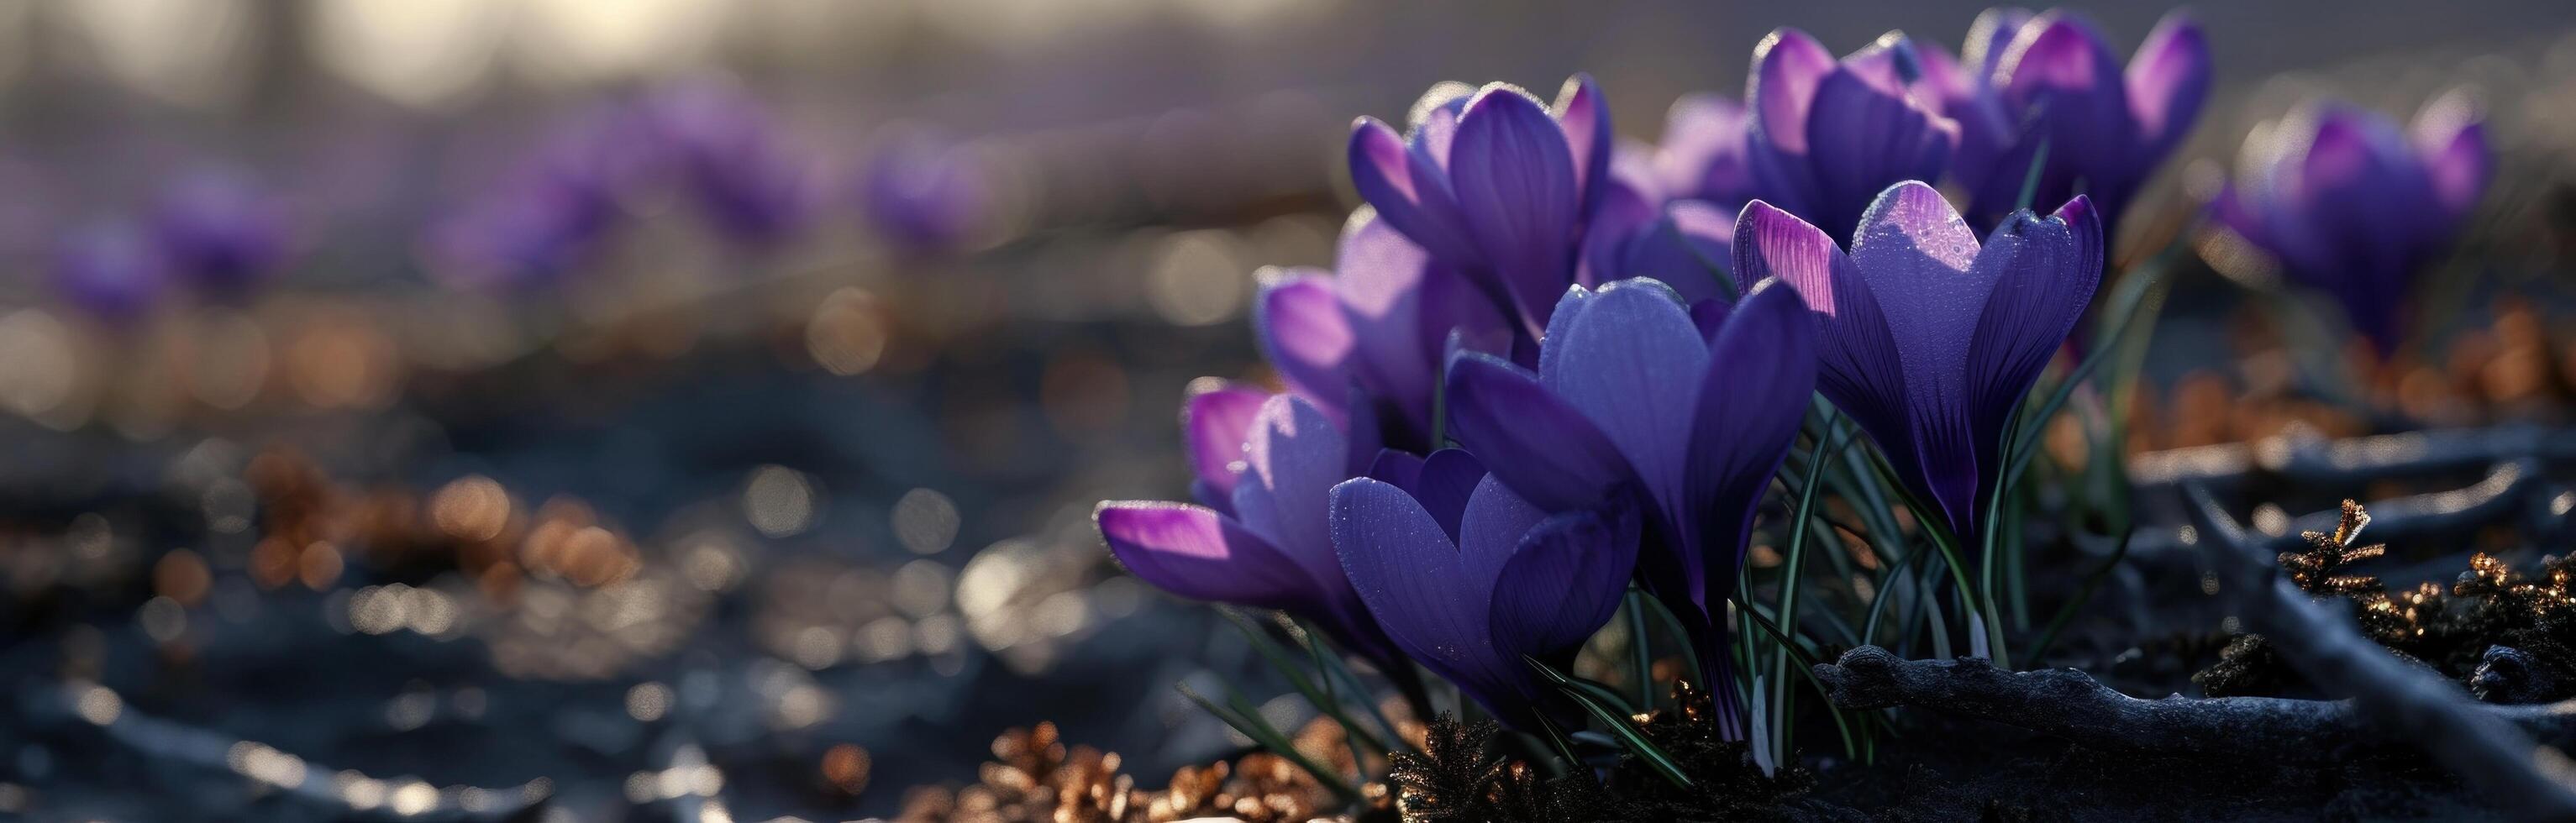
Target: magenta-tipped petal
x=1787 y=67
x=1585 y=119
x=2452 y=139
x=1294 y=457
x=1215 y=425
x=1298 y=318
x=2168 y=79
x=1193 y=552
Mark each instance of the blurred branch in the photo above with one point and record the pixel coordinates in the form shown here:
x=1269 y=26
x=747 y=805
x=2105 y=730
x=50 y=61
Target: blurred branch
x=2296 y=460
x=2509 y=489
x=2069 y=704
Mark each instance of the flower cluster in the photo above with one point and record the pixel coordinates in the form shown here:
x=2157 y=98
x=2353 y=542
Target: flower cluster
x=717 y=150
x=1546 y=368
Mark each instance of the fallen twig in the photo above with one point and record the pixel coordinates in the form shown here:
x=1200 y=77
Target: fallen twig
x=2315 y=461
x=2405 y=700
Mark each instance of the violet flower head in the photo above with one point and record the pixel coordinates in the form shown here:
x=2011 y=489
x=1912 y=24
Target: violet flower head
x=1469 y=579
x=1262 y=540
x=2052 y=81
x=1494 y=184
x=113 y=271
x=2347 y=203
x=1636 y=399
x=1931 y=339
x=1828 y=135
x=547 y=216
x=924 y=195
x=730 y=155
x=220 y=232
x=1370 y=337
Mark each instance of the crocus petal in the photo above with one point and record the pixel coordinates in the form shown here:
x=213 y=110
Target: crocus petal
x=1195 y=553
x=1400 y=469
x=2059 y=67
x=1215 y=424
x=1989 y=39
x=1299 y=321
x=1688 y=249
x=2044 y=273
x=2452 y=140
x=1787 y=67
x=2167 y=81
x=1563 y=581
x=1408 y=190
x=1295 y=455
x=1761 y=372
x=1548 y=452
x=1448 y=477
x=1863 y=138
x=1916 y=252
x=1517 y=193
x=1859 y=366
x=1585 y=119
x=1630 y=361
x=1416 y=583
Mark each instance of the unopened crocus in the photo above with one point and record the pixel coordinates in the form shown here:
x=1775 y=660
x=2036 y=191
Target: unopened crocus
x=1369 y=336
x=1827 y=135
x=1470 y=583
x=1494 y=184
x=114 y=271
x=1931 y=339
x=2349 y=204
x=1633 y=400
x=1264 y=541
x=922 y=194
x=2048 y=90
x=220 y=232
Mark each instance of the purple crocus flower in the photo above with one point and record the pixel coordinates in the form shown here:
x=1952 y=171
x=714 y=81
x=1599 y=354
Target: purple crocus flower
x=1469 y=580
x=1931 y=339
x=2051 y=80
x=1371 y=335
x=730 y=155
x=1494 y=184
x=1634 y=400
x=1263 y=540
x=2348 y=204
x=220 y=232
x=549 y=214
x=1827 y=135
x=112 y=270
x=923 y=194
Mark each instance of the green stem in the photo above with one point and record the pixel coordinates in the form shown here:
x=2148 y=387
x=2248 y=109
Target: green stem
x=1641 y=657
